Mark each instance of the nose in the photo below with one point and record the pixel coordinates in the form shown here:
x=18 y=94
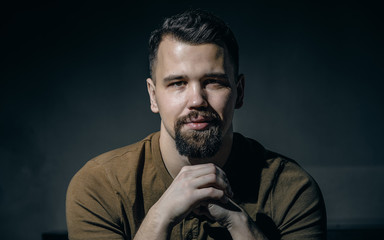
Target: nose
x=197 y=97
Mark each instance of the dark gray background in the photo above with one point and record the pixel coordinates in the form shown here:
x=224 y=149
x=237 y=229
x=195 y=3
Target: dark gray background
x=73 y=86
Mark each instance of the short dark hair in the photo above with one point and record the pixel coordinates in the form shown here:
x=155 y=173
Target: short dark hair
x=195 y=27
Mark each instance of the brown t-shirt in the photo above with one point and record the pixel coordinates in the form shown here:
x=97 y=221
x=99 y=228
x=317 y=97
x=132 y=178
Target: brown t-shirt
x=110 y=196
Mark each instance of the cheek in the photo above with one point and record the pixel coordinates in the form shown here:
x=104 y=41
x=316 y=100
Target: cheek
x=223 y=105
x=170 y=106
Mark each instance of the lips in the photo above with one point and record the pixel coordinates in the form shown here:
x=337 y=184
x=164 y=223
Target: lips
x=198 y=119
x=198 y=123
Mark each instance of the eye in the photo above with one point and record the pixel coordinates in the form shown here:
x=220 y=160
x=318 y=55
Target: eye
x=211 y=81
x=217 y=82
x=177 y=84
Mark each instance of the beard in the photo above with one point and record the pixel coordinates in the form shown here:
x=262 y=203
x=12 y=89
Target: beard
x=199 y=144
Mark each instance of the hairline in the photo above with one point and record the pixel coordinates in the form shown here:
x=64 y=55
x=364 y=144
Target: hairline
x=223 y=46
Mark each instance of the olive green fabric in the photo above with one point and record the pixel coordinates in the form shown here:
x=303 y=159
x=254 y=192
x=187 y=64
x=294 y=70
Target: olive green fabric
x=110 y=196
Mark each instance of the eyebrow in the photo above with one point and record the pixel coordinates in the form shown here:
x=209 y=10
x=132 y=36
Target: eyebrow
x=216 y=75
x=208 y=75
x=174 y=77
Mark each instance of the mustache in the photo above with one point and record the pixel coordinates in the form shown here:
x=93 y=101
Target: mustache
x=211 y=116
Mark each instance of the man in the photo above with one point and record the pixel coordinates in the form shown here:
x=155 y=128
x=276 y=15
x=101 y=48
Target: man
x=195 y=179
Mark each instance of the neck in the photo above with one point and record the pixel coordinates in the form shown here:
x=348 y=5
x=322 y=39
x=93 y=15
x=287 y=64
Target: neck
x=174 y=161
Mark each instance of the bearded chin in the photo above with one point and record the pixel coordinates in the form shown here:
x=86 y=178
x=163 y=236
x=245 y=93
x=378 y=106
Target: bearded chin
x=198 y=144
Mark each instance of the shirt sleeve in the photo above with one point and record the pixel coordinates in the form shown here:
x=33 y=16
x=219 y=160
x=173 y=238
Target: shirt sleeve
x=93 y=207
x=297 y=205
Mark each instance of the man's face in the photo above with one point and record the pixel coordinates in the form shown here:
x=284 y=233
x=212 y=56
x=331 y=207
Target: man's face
x=195 y=93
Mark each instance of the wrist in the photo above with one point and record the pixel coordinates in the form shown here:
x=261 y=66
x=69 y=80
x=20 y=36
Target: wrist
x=158 y=220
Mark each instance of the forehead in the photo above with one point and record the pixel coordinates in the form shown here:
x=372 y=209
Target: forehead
x=178 y=57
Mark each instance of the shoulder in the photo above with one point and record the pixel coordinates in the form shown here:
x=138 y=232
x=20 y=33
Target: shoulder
x=287 y=194
x=287 y=173
x=272 y=171
x=119 y=158
x=116 y=165
x=285 y=168
x=128 y=153
x=295 y=200
x=296 y=203
x=273 y=166
x=283 y=178
x=98 y=192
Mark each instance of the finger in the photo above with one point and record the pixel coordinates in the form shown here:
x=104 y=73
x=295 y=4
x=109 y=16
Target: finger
x=210 y=176
x=206 y=175
x=196 y=171
x=211 y=194
x=217 y=179
x=223 y=176
x=229 y=205
x=197 y=166
x=210 y=180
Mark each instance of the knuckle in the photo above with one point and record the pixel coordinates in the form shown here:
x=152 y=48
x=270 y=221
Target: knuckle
x=218 y=194
x=214 y=193
x=211 y=191
x=211 y=177
x=211 y=167
x=184 y=174
x=184 y=169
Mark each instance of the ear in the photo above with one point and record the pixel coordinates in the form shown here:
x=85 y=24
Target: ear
x=240 y=91
x=151 y=87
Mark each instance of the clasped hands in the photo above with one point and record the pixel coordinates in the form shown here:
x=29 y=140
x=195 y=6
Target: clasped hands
x=202 y=189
